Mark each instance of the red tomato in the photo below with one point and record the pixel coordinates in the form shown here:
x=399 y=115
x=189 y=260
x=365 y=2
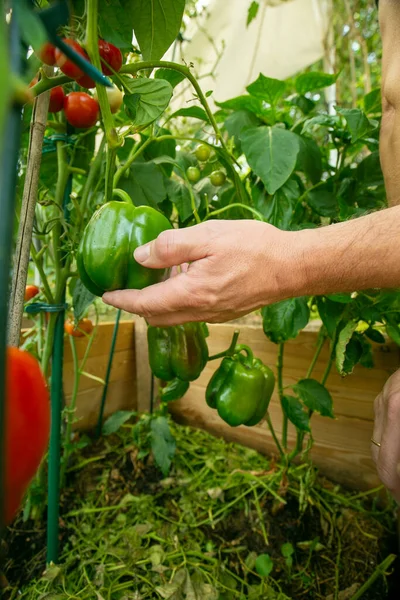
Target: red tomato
x=81 y=110
x=85 y=326
x=30 y=292
x=86 y=82
x=34 y=81
x=111 y=55
x=56 y=99
x=27 y=426
x=66 y=65
x=47 y=54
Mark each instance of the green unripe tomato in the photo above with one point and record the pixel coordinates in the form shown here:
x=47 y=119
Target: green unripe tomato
x=203 y=153
x=218 y=178
x=193 y=174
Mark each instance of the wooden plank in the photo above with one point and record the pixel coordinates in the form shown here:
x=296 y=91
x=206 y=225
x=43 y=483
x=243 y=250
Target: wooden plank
x=121 y=396
x=102 y=343
x=143 y=371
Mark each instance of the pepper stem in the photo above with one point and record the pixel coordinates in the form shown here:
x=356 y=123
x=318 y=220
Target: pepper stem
x=249 y=353
x=231 y=350
x=122 y=195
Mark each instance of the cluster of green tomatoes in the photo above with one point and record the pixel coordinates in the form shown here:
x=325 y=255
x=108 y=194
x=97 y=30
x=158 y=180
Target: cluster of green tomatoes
x=203 y=153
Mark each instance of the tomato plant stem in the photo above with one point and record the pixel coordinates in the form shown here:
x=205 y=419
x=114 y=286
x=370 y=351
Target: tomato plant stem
x=273 y=433
x=320 y=345
x=255 y=212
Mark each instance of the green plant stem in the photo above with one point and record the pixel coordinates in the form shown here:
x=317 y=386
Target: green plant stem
x=63 y=174
x=272 y=430
x=71 y=411
x=92 y=177
x=38 y=261
x=92 y=47
x=231 y=348
x=110 y=168
x=320 y=345
x=327 y=370
x=279 y=369
x=133 y=156
x=255 y=212
x=47 y=83
x=379 y=571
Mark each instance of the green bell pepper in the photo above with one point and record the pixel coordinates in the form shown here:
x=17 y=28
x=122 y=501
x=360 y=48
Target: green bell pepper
x=105 y=255
x=179 y=351
x=241 y=388
x=174 y=390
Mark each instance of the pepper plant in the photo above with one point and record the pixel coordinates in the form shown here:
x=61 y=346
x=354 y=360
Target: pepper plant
x=272 y=154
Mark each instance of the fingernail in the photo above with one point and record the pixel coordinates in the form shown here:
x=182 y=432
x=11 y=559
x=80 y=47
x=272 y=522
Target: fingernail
x=105 y=297
x=142 y=253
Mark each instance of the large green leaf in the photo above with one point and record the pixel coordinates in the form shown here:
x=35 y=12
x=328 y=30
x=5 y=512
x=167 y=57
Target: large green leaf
x=271 y=153
x=310 y=82
x=323 y=201
x=116 y=20
x=294 y=410
x=342 y=351
x=309 y=159
x=250 y=103
x=357 y=122
x=194 y=112
x=179 y=194
x=144 y=184
x=156 y=24
x=238 y=122
x=330 y=313
x=268 y=89
x=148 y=99
x=279 y=208
x=315 y=396
x=284 y=320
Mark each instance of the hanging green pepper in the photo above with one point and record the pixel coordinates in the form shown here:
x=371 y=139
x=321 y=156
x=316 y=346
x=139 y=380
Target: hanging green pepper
x=179 y=351
x=174 y=390
x=105 y=255
x=241 y=388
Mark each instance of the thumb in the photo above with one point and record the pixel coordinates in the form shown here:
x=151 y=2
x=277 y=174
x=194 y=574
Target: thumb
x=174 y=247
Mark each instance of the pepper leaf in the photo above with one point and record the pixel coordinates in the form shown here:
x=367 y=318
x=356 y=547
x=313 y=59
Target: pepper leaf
x=264 y=565
x=271 y=153
x=156 y=24
x=144 y=184
x=315 y=396
x=293 y=409
x=283 y=321
x=267 y=88
x=344 y=339
x=81 y=299
x=147 y=100
x=310 y=82
x=330 y=313
x=116 y=421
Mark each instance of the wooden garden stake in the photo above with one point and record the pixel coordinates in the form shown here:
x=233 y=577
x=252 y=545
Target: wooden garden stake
x=24 y=240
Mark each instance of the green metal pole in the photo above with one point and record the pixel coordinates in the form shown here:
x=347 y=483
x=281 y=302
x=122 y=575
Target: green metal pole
x=56 y=391
x=108 y=373
x=9 y=152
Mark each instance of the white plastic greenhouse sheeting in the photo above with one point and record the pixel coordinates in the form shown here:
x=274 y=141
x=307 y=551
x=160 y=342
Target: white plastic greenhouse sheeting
x=284 y=38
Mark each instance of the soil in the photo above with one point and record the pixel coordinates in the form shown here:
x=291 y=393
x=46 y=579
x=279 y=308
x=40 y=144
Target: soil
x=337 y=538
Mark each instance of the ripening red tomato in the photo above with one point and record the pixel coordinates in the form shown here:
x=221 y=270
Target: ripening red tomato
x=86 y=82
x=66 y=65
x=27 y=426
x=47 y=54
x=85 y=326
x=56 y=102
x=81 y=110
x=30 y=292
x=111 y=55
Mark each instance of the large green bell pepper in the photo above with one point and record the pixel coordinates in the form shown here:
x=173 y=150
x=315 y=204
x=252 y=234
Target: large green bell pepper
x=179 y=351
x=241 y=388
x=105 y=255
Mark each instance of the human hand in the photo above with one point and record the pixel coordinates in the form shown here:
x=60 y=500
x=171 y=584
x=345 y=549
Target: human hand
x=234 y=267
x=387 y=434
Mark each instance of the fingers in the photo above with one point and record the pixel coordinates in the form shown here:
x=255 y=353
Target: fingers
x=174 y=247
x=379 y=411
x=165 y=298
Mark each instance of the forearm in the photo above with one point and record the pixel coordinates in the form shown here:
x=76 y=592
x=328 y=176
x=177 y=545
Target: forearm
x=356 y=255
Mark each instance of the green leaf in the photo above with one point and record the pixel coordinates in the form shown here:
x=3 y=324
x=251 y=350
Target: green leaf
x=144 y=184
x=148 y=99
x=31 y=28
x=195 y=112
x=278 y=209
x=322 y=120
x=250 y=103
x=156 y=24
x=341 y=298
x=293 y=409
x=393 y=332
x=170 y=75
x=284 y=320
x=310 y=82
x=179 y=194
x=343 y=341
x=373 y=101
x=315 y=396
x=369 y=170
x=81 y=299
x=309 y=159
x=323 y=201
x=330 y=313
x=264 y=565
x=267 y=89
x=287 y=549
x=367 y=357
x=271 y=153
x=116 y=20
x=375 y=335
x=239 y=121
x=116 y=421
x=162 y=444
x=252 y=12
x=357 y=122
